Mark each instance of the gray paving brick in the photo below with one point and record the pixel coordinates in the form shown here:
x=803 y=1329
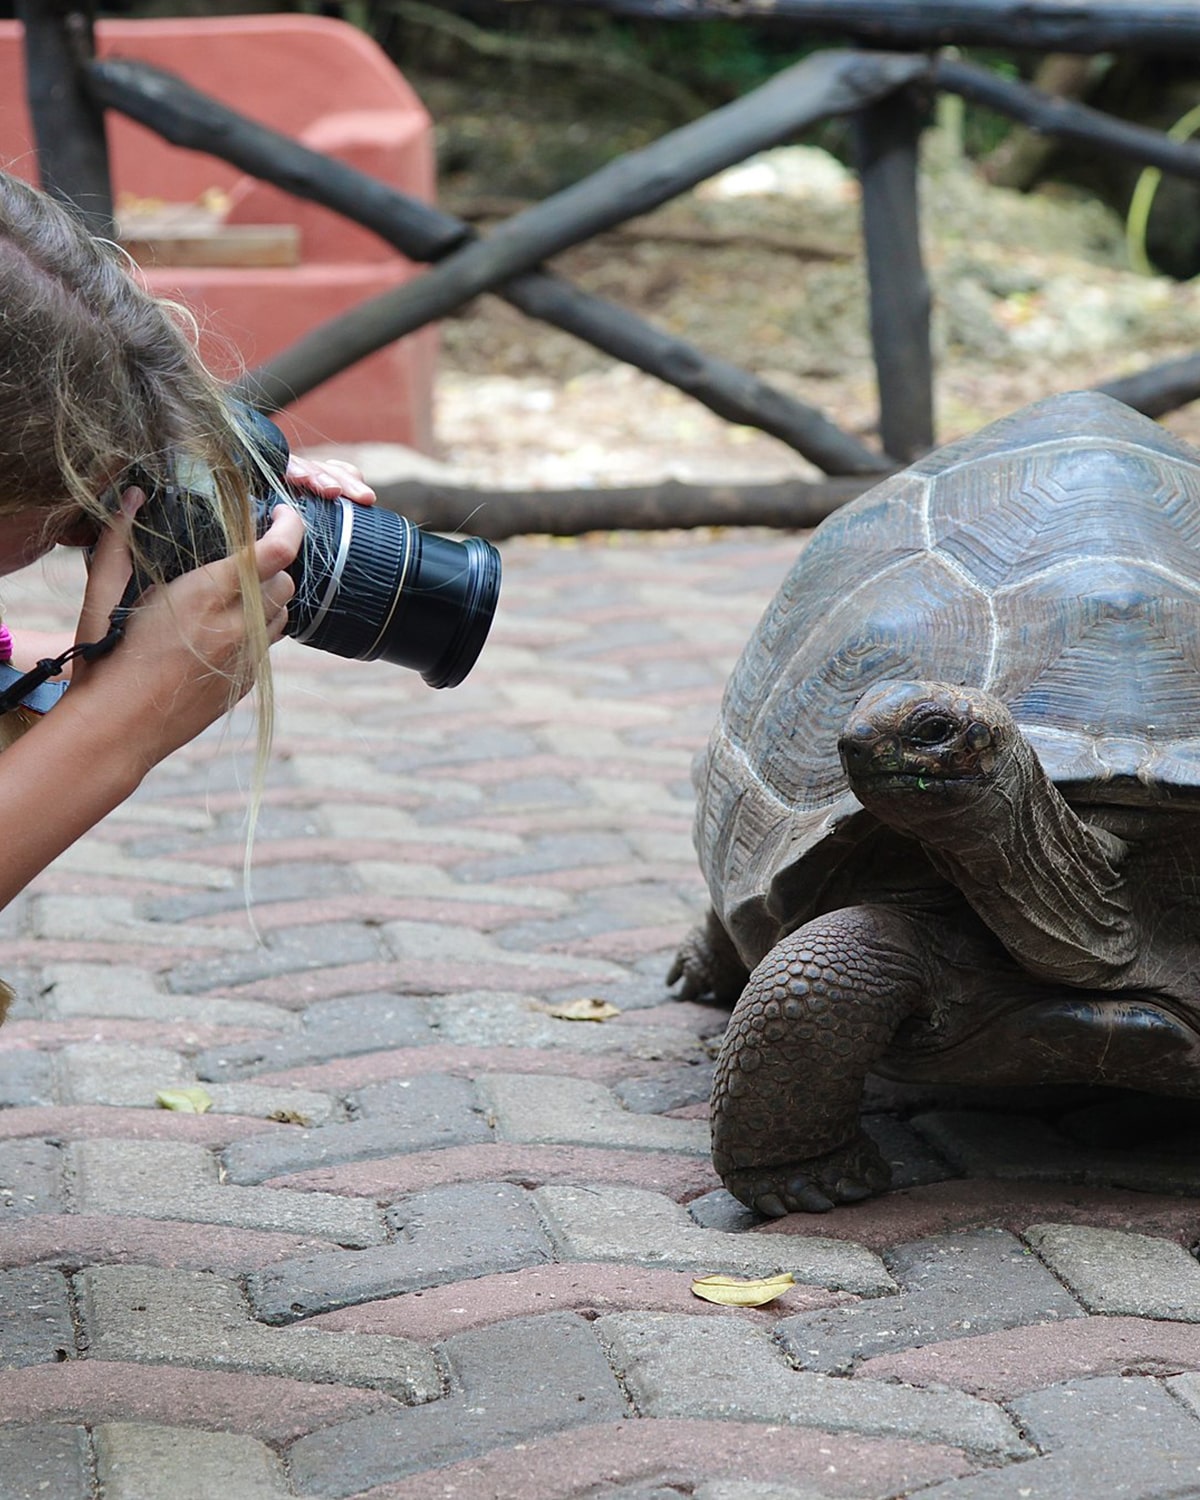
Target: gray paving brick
x=177 y=1180
x=1123 y=1438
x=410 y=1114
x=156 y=1316
x=509 y=1383
x=438 y=1108
x=107 y=1073
x=671 y=1089
x=300 y=1107
x=437 y=941
x=493 y=1018
x=30 y=1177
x=26 y=1077
x=139 y=1461
x=114 y=919
x=752 y=1489
x=289 y=950
x=1111 y=1271
x=45 y=1462
x=721 y=1210
x=120 y=990
x=952 y=1286
x=443 y=1235
x=347 y=1027
x=276 y=882
x=35 y=1317
x=539 y=856
x=572 y=1111
x=725 y=1369
x=648 y=1229
x=412 y=878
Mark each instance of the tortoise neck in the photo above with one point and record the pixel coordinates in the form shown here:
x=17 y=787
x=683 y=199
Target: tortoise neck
x=1046 y=882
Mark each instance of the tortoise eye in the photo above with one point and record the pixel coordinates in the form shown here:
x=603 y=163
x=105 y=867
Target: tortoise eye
x=933 y=730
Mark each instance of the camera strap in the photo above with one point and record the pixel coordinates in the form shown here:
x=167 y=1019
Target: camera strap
x=34 y=690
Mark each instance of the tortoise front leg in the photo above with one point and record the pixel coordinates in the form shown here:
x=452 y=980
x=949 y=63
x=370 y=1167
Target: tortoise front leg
x=709 y=964
x=814 y=1018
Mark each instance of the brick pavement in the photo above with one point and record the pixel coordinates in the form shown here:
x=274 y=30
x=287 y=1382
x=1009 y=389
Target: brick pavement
x=432 y=1240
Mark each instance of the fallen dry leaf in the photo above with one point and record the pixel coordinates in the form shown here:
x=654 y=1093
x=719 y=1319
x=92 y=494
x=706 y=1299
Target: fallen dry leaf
x=288 y=1117
x=189 y=1101
x=589 y=1009
x=735 y=1291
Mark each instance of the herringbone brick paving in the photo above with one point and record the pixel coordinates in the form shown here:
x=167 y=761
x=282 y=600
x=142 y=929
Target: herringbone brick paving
x=433 y=1240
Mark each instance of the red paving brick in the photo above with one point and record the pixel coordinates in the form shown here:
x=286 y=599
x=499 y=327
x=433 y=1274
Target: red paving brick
x=112 y=1239
x=86 y=1122
x=998 y=1366
x=349 y=1073
x=680 y=1177
x=582 y=1287
x=88 y=1392
x=679 y=1453
x=974 y=1203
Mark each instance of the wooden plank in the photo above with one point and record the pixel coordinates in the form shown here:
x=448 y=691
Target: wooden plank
x=1086 y=26
x=787 y=504
x=1159 y=388
x=185 y=235
x=1067 y=119
x=888 y=133
x=68 y=125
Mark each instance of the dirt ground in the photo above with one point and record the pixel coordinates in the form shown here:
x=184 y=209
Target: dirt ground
x=1033 y=295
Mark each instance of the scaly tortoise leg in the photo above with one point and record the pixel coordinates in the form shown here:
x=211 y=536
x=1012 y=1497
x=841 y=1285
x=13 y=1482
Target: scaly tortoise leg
x=814 y=1018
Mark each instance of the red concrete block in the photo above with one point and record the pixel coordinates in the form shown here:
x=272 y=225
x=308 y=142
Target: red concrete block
x=999 y=1366
x=680 y=1453
x=588 y=1288
x=92 y=1391
x=976 y=1203
x=327 y=85
x=680 y=1177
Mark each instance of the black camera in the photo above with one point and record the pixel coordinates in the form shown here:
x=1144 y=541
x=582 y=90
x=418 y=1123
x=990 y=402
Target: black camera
x=369 y=583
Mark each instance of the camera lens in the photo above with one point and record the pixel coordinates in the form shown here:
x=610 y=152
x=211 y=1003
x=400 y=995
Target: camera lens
x=371 y=585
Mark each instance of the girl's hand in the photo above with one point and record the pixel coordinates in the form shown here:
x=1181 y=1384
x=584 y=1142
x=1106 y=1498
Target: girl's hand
x=182 y=660
x=329 y=478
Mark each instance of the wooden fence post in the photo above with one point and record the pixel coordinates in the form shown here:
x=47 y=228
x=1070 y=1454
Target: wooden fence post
x=888 y=134
x=68 y=127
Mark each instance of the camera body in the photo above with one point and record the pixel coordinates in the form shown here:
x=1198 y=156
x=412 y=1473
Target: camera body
x=370 y=584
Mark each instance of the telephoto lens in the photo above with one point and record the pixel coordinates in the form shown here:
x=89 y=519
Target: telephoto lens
x=370 y=584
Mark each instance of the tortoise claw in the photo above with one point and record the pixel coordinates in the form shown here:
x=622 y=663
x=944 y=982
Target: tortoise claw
x=847 y=1175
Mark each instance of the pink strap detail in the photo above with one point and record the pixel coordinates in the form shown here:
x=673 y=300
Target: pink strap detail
x=6 y=644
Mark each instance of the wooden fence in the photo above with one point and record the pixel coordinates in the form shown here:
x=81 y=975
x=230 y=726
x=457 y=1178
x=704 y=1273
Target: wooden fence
x=886 y=92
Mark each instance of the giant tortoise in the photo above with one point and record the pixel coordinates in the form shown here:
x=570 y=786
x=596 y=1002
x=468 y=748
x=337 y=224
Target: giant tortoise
x=949 y=816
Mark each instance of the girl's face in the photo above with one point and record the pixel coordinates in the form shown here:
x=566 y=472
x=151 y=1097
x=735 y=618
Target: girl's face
x=24 y=538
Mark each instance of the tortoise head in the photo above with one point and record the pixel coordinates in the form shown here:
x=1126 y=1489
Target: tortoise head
x=915 y=737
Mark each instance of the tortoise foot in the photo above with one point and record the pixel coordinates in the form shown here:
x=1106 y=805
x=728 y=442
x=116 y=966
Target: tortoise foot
x=815 y=1185
x=708 y=964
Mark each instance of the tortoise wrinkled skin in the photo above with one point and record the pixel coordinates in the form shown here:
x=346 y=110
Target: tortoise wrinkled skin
x=949 y=816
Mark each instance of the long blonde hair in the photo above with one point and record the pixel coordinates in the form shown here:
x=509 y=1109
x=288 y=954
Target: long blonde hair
x=97 y=377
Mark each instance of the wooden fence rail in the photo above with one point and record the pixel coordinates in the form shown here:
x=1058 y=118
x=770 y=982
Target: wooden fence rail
x=888 y=95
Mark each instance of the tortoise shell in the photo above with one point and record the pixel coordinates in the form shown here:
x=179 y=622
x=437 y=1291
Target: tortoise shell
x=1052 y=559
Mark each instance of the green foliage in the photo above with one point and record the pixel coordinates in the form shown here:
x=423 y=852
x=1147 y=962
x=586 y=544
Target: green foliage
x=719 y=59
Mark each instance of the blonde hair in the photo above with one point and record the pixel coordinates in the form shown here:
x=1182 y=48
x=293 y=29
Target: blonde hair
x=98 y=377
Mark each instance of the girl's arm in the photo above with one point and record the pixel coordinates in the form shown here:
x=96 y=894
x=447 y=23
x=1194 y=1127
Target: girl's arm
x=175 y=672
